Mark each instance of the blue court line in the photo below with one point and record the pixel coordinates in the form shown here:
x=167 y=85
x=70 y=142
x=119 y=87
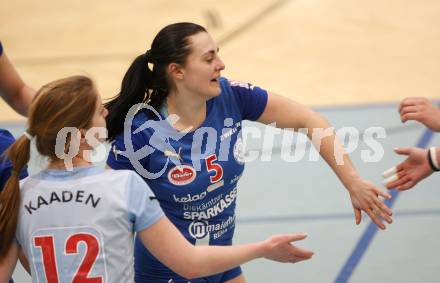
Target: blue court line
x=329 y=216
x=367 y=237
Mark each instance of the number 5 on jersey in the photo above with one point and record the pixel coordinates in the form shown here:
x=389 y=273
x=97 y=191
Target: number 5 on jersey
x=69 y=255
x=211 y=165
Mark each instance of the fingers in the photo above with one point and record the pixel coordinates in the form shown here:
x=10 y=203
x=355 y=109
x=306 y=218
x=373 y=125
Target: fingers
x=394 y=176
x=407 y=185
x=405 y=103
x=412 y=101
x=357 y=216
x=390 y=176
x=377 y=210
x=296 y=237
x=409 y=109
x=402 y=151
x=383 y=211
x=300 y=252
x=390 y=179
x=397 y=183
x=383 y=194
x=410 y=116
x=375 y=218
x=390 y=172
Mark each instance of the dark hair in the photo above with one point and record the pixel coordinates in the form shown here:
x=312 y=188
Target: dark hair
x=68 y=102
x=142 y=85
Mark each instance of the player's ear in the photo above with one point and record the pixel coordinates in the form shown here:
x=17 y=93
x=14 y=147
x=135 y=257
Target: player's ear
x=175 y=71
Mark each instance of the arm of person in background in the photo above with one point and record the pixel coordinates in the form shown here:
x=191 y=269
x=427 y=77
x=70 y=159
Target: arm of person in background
x=422 y=110
x=8 y=263
x=364 y=195
x=12 y=88
x=413 y=169
x=167 y=244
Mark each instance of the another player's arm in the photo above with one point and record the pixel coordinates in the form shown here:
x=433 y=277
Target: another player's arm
x=12 y=88
x=8 y=263
x=292 y=115
x=167 y=244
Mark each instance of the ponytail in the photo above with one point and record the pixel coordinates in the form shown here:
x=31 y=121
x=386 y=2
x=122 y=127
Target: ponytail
x=134 y=89
x=19 y=154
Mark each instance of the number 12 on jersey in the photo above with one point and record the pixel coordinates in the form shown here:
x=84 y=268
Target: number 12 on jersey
x=73 y=254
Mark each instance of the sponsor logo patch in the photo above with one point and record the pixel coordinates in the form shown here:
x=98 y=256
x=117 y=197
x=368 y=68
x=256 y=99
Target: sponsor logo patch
x=198 y=229
x=181 y=175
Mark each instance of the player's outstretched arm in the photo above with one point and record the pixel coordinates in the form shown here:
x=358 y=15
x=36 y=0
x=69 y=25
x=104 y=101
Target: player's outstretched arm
x=422 y=110
x=12 y=88
x=289 y=114
x=167 y=244
x=413 y=169
x=7 y=264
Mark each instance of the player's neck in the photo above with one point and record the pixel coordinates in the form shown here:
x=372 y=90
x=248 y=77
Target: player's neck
x=190 y=110
x=77 y=161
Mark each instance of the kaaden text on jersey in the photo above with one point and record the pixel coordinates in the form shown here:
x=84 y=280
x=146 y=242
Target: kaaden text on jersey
x=62 y=197
x=214 y=210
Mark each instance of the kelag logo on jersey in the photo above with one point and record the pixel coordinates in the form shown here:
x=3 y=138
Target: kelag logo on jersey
x=181 y=175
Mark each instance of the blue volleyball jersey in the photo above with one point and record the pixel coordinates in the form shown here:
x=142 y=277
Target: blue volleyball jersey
x=6 y=140
x=194 y=175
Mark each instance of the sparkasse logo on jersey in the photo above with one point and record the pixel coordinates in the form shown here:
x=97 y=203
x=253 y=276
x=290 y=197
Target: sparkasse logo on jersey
x=182 y=175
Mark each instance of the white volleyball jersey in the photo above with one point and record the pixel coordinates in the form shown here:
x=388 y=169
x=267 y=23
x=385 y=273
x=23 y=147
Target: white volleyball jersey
x=78 y=226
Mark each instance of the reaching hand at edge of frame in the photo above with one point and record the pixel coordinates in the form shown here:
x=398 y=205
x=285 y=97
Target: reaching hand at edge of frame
x=365 y=197
x=422 y=110
x=408 y=173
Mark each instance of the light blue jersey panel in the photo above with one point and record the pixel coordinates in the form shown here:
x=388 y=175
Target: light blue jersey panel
x=80 y=224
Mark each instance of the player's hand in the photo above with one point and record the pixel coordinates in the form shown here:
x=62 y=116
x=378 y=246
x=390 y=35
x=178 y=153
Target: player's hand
x=409 y=172
x=280 y=248
x=422 y=110
x=365 y=197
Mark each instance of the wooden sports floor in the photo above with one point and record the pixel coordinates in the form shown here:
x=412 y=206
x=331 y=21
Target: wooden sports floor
x=353 y=61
